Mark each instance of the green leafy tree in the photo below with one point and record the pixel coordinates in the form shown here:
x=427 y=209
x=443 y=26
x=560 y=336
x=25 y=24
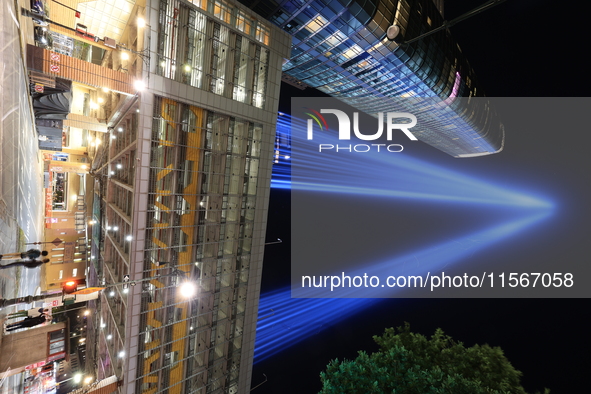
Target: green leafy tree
x=410 y=363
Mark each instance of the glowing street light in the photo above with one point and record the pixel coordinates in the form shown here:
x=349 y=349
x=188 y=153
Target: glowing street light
x=139 y=85
x=187 y=289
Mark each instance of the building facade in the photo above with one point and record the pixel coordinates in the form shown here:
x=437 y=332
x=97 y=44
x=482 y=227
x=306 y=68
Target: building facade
x=182 y=181
x=159 y=148
x=340 y=48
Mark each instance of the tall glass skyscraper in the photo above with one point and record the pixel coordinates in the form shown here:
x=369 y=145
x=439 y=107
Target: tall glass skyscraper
x=340 y=48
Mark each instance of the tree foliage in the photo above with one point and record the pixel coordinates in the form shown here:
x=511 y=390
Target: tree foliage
x=409 y=363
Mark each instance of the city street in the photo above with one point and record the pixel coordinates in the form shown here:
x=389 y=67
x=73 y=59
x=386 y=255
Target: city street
x=21 y=167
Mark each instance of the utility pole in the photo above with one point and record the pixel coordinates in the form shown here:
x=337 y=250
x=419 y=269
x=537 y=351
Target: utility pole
x=59 y=297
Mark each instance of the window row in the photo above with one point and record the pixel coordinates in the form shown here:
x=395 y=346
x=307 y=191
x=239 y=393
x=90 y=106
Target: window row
x=202 y=52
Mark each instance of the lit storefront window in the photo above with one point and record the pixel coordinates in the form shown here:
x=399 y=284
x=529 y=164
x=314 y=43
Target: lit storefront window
x=59 y=187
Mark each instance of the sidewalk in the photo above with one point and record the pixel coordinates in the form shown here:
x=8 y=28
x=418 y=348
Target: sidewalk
x=21 y=165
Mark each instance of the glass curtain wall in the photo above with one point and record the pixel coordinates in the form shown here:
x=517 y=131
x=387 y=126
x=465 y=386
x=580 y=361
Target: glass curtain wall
x=203 y=178
x=221 y=50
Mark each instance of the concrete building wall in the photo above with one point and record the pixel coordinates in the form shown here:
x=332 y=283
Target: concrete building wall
x=19 y=349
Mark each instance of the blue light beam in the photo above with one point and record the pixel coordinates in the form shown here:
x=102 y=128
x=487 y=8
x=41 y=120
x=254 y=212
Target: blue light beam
x=433 y=260
x=383 y=174
x=286 y=321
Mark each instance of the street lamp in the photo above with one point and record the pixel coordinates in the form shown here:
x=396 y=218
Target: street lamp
x=139 y=85
x=188 y=289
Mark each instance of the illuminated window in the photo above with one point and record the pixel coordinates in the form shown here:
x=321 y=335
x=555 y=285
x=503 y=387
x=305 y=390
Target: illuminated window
x=243 y=23
x=401 y=17
x=240 y=68
x=336 y=39
x=262 y=34
x=61 y=275
x=352 y=52
x=200 y=3
x=221 y=11
x=316 y=24
x=410 y=93
x=260 y=76
x=75 y=272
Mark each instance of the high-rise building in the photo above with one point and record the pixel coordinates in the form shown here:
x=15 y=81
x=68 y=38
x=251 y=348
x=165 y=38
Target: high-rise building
x=182 y=97
x=340 y=48
x=184 y=177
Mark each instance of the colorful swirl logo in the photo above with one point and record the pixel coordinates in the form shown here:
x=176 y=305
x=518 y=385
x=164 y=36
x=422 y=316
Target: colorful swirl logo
x=318 y=118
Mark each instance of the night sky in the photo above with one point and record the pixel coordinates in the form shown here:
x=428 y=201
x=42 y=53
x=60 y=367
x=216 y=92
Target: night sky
x=518 y=49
